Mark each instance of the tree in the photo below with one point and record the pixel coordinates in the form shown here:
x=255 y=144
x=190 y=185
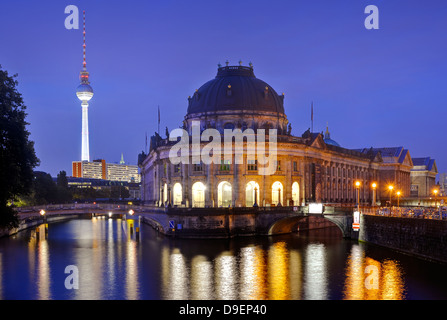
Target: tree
x=64 y=194
x=45 y=190
x=62 y=179
x=17 y=155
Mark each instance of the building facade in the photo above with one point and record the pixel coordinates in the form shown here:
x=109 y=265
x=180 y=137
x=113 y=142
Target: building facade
x=308 y=168
x=311 y=168
x=423 y=177
x=99 y=169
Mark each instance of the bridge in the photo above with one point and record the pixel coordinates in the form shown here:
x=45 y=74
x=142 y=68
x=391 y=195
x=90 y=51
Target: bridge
x=200 y=222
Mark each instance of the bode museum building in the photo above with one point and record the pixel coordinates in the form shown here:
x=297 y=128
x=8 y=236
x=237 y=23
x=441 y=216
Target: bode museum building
x=311 y=168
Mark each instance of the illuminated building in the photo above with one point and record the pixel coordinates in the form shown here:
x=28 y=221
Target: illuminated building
x=310 y=168
x=423 y=177
x=99 y=169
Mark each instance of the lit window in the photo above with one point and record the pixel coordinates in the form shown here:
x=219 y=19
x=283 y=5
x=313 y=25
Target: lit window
x=252 y=165
x=197 y=167
x=278 y=165
x=225 y=165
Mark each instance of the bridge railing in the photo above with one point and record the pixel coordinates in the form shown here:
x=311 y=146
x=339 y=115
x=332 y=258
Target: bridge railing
x=412 y=212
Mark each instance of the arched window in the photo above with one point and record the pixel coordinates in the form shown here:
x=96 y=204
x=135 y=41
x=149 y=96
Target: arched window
x=277 y=193
x=296 y=194
x=198 y=195
x=251 y=190
x=224 y=194
x=177 y=194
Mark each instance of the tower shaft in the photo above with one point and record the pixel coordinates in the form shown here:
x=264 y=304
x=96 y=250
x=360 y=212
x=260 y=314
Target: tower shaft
x=85 y=155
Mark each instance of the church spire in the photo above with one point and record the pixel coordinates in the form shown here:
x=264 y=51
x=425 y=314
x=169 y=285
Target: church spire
x=122 y=159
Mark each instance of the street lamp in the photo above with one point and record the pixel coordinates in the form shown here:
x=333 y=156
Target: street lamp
x=390 y=187
x=398 y=193
x=435 y=191
x=357 y=185
x=374 y=186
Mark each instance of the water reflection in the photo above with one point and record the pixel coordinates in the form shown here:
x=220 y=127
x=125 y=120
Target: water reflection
x=278 y=271
x=315 y=284
x=369 y=279
x=253 y=270
x=114 y=265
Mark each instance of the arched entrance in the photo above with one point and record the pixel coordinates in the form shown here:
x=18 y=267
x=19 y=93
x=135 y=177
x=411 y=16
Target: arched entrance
x=277 y=193
x=224 y=194
x=295 y=194
x=250 y=191
x=198 y=195
x=177 y=194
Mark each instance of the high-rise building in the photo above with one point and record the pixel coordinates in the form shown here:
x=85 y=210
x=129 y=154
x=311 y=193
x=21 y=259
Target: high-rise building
x=84 y=93
x=99 y=169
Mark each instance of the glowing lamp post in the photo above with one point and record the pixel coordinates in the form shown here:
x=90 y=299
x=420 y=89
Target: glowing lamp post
x=435 y=191
x=390 y=188
x=398 y=193
x=374 y=187
x=357 y=186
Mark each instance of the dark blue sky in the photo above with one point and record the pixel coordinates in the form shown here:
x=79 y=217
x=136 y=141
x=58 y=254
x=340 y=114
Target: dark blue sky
x=379 y=88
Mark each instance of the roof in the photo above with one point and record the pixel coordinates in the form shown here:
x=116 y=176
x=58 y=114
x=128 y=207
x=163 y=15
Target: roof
x=389 y=154
x=423 y=164
x=235 y=88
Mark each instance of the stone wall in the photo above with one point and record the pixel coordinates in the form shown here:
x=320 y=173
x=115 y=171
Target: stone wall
x=421 y=237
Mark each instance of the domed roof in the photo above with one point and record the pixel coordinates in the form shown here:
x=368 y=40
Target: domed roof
x=235 y=88
x=327 y=138
x=331 y=142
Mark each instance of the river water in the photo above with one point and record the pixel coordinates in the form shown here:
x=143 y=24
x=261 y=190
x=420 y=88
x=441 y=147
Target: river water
x=106 y=261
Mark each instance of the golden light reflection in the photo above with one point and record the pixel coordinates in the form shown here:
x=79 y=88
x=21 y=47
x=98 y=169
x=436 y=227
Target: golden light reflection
x=278 y=268
x=253 y=274
x=392 y=281
x=38 y=257
x=295 y=274
x=354 y=283
x=43 y=269
x=369 y=279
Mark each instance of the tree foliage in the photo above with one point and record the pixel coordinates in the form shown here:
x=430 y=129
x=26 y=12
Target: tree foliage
x=17 y=155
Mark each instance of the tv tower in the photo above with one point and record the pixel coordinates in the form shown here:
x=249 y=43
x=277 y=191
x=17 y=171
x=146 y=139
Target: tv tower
x=84 y=93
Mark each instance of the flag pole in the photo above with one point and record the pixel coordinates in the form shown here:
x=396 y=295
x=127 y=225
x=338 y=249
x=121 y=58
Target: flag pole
x=312 y=117
x=158 y=120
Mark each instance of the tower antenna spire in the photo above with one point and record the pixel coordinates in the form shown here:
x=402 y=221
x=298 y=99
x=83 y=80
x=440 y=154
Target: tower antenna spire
x=84 y=64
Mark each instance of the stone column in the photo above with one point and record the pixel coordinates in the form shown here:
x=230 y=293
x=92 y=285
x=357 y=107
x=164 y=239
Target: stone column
x=288 y=170
x=209 y=185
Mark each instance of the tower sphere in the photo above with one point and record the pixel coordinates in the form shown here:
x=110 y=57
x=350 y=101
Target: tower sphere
x=84 y=92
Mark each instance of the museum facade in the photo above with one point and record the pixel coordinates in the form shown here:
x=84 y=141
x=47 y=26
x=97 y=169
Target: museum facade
x=311 y=168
